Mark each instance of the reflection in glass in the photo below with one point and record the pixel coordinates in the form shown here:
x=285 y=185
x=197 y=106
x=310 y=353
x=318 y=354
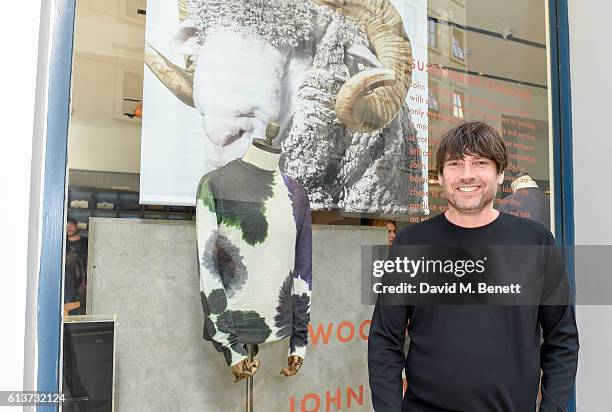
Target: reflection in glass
x=458 y=104
x=458 y=44
x=432 y=34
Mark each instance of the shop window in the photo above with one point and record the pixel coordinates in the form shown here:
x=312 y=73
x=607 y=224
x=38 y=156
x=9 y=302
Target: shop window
x=133 y=182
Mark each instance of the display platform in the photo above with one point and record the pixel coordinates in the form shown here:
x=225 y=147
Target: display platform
x=145 y=274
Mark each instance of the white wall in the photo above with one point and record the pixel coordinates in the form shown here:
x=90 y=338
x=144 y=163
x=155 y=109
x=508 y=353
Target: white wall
x=23 y=112
x=96 y=140
x=591 y=59
x=103 y=43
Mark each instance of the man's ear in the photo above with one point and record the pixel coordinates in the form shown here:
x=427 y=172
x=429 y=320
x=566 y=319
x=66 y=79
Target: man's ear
x=186 y=39
x=440 y=179
x=500 y=178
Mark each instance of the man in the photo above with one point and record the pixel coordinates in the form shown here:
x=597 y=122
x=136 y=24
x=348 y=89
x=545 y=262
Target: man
x=391 y=232
x=464 y=358
x=391 y=229
x=75 y=266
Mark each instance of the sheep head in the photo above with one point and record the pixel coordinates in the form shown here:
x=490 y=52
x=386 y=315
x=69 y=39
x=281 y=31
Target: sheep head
x=266 y=54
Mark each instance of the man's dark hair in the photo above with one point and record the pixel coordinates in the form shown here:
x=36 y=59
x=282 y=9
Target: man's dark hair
x=72 y=220
x=472 y=138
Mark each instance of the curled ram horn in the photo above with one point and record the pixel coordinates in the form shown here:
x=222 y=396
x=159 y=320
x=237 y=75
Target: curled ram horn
x=371 y=99
x=182 y=6
x=178 y=80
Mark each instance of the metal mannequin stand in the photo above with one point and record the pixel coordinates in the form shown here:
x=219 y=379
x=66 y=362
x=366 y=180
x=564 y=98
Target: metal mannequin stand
x=249 y=382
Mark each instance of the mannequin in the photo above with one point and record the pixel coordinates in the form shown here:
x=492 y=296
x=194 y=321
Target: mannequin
x=255 y=258
x=263 y=153
x=527 y=199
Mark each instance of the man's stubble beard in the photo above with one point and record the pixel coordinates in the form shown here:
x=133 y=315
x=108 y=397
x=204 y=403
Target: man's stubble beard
x=487 y=198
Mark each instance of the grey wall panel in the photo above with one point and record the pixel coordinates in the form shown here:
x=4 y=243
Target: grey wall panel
x=145 y=273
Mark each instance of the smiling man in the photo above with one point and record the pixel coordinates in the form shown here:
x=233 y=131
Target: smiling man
x=481 y=358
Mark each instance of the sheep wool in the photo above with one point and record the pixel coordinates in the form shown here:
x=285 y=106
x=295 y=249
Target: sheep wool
x=279 y=22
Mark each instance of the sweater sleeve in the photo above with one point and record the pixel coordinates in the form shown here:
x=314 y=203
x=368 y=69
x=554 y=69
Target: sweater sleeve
x=218 y=325
x=302 y=281
x=559 y=349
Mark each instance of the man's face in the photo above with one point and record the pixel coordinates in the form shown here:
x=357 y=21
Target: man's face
x=470 y=184
x=71 y=229
x=390 y=232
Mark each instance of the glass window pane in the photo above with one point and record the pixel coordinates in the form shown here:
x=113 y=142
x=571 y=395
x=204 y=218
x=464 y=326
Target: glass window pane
x=432 y=34
x=166 y=93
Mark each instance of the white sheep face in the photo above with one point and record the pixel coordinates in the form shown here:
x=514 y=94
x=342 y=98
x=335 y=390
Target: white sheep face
x=237 y=90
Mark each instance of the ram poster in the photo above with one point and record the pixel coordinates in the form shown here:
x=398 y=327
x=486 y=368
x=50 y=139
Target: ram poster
x=338 y=77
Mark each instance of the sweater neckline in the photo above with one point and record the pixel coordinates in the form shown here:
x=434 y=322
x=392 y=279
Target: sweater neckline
x=455 y=227
x=251 y=167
